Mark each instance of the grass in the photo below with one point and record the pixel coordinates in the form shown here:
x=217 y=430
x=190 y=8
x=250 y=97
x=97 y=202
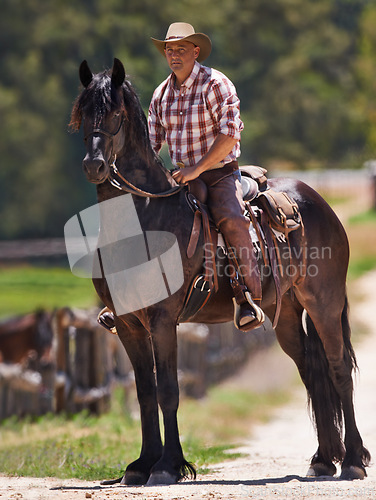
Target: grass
x=361 y=231
x=368 y=218
x=94 y=448
x=24 y=289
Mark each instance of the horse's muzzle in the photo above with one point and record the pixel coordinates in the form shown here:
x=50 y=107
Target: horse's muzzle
x=96 y=169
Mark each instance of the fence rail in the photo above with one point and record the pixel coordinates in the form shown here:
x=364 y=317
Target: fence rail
x=84 y=363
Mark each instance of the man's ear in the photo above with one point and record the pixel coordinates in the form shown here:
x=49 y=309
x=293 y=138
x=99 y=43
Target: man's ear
x=197 y=51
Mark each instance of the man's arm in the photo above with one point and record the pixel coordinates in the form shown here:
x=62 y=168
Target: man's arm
x=220 y=148
x=156 y=130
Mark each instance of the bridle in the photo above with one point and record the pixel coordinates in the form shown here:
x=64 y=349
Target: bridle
x=110 y=135
x=126 y=185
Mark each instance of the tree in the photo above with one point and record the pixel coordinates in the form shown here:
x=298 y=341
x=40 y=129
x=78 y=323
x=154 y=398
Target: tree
x=304 y=72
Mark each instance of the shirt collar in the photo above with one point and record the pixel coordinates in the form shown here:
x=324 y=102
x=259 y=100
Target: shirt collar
x=192 y=77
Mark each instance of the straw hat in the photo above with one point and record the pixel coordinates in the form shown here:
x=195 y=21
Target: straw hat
x=184 y=31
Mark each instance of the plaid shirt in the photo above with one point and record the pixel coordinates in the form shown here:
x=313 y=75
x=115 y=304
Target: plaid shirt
x=190 y=118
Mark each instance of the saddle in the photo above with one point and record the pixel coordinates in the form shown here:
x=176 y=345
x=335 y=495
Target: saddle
x=271 y=213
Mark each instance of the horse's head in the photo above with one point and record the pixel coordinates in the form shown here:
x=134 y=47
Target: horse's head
x=101 y=108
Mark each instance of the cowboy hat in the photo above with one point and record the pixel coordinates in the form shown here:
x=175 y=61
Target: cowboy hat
x=184 y=31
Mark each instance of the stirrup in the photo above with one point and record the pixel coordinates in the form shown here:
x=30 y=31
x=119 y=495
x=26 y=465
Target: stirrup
x=257 y=316
x=106 y=319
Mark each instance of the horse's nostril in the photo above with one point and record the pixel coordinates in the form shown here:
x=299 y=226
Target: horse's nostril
x=94 y=167
x=101 y=167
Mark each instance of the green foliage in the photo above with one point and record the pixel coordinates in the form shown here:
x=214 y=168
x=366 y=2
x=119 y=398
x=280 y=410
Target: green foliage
x=304 y=71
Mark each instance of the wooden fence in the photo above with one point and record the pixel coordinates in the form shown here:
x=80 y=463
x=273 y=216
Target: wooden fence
x=85 y=363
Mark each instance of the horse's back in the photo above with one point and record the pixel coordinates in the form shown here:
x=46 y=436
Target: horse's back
x=319 y=219
x=325 y=245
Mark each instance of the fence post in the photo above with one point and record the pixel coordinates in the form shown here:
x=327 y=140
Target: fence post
x=61 y=324
x=370 y=165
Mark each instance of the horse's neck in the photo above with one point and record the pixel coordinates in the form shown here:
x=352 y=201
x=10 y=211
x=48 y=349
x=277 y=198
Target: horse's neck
x=147 y=175
x=152 y=213
x=125 y=215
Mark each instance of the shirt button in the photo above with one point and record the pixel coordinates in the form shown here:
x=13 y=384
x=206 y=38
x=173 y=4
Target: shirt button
x=181 y=112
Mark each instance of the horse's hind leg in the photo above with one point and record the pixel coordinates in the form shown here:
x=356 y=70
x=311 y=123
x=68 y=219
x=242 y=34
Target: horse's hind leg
x=329 y=363
x=292 y=338
x=289 y=331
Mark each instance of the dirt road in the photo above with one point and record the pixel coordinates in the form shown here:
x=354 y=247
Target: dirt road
x=276 y=454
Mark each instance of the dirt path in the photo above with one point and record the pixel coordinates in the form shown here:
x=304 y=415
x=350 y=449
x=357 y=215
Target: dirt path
x=276 y=455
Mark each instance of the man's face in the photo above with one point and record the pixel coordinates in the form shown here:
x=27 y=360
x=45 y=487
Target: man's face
x=181 y=55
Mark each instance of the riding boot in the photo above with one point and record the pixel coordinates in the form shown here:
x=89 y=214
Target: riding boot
x=106 y=319
x=247 y=289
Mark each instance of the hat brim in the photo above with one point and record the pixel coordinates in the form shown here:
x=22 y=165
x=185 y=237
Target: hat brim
x=199 y=39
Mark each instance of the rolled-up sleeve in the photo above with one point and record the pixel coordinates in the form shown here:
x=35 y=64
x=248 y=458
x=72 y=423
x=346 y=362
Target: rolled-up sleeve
x=224 y=105
x=156 y=130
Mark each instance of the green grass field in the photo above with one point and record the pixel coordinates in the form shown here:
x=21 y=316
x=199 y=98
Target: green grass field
x=24 y=289
x=92 y=448
x=361 y=231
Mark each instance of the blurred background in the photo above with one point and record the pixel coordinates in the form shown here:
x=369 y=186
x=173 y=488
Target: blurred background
x=305 y=73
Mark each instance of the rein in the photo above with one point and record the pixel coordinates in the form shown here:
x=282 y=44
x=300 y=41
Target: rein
x=128 y=187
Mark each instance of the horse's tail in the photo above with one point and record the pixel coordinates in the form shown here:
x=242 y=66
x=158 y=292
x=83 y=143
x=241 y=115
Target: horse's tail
x=324 y=401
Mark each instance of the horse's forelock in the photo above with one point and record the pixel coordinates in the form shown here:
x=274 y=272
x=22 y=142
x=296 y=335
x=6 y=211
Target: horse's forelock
x=95 y=101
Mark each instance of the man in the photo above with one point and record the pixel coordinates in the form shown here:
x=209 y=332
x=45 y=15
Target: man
x=196 y=111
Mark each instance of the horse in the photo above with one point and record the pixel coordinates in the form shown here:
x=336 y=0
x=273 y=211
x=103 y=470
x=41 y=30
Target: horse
x=24 y=335
x=313 y=327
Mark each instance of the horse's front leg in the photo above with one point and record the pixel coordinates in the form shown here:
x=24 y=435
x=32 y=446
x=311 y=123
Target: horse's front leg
x=172 y=466
x=136 y=341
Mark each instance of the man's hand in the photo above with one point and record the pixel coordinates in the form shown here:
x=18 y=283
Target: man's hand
x=220 y=148
x=186 y=174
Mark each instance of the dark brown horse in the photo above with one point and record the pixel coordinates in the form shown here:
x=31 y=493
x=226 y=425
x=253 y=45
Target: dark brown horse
x=24 y=335
x=313 y=328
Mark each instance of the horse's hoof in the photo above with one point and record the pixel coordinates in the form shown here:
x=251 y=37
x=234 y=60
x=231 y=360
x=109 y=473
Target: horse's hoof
x=352 y=472
x=134 y=478
x=319 y=469
x=161 y=478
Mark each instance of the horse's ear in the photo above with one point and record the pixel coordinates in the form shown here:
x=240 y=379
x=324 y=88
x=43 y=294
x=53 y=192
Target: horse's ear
x=85 y=74
x=118 y=73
